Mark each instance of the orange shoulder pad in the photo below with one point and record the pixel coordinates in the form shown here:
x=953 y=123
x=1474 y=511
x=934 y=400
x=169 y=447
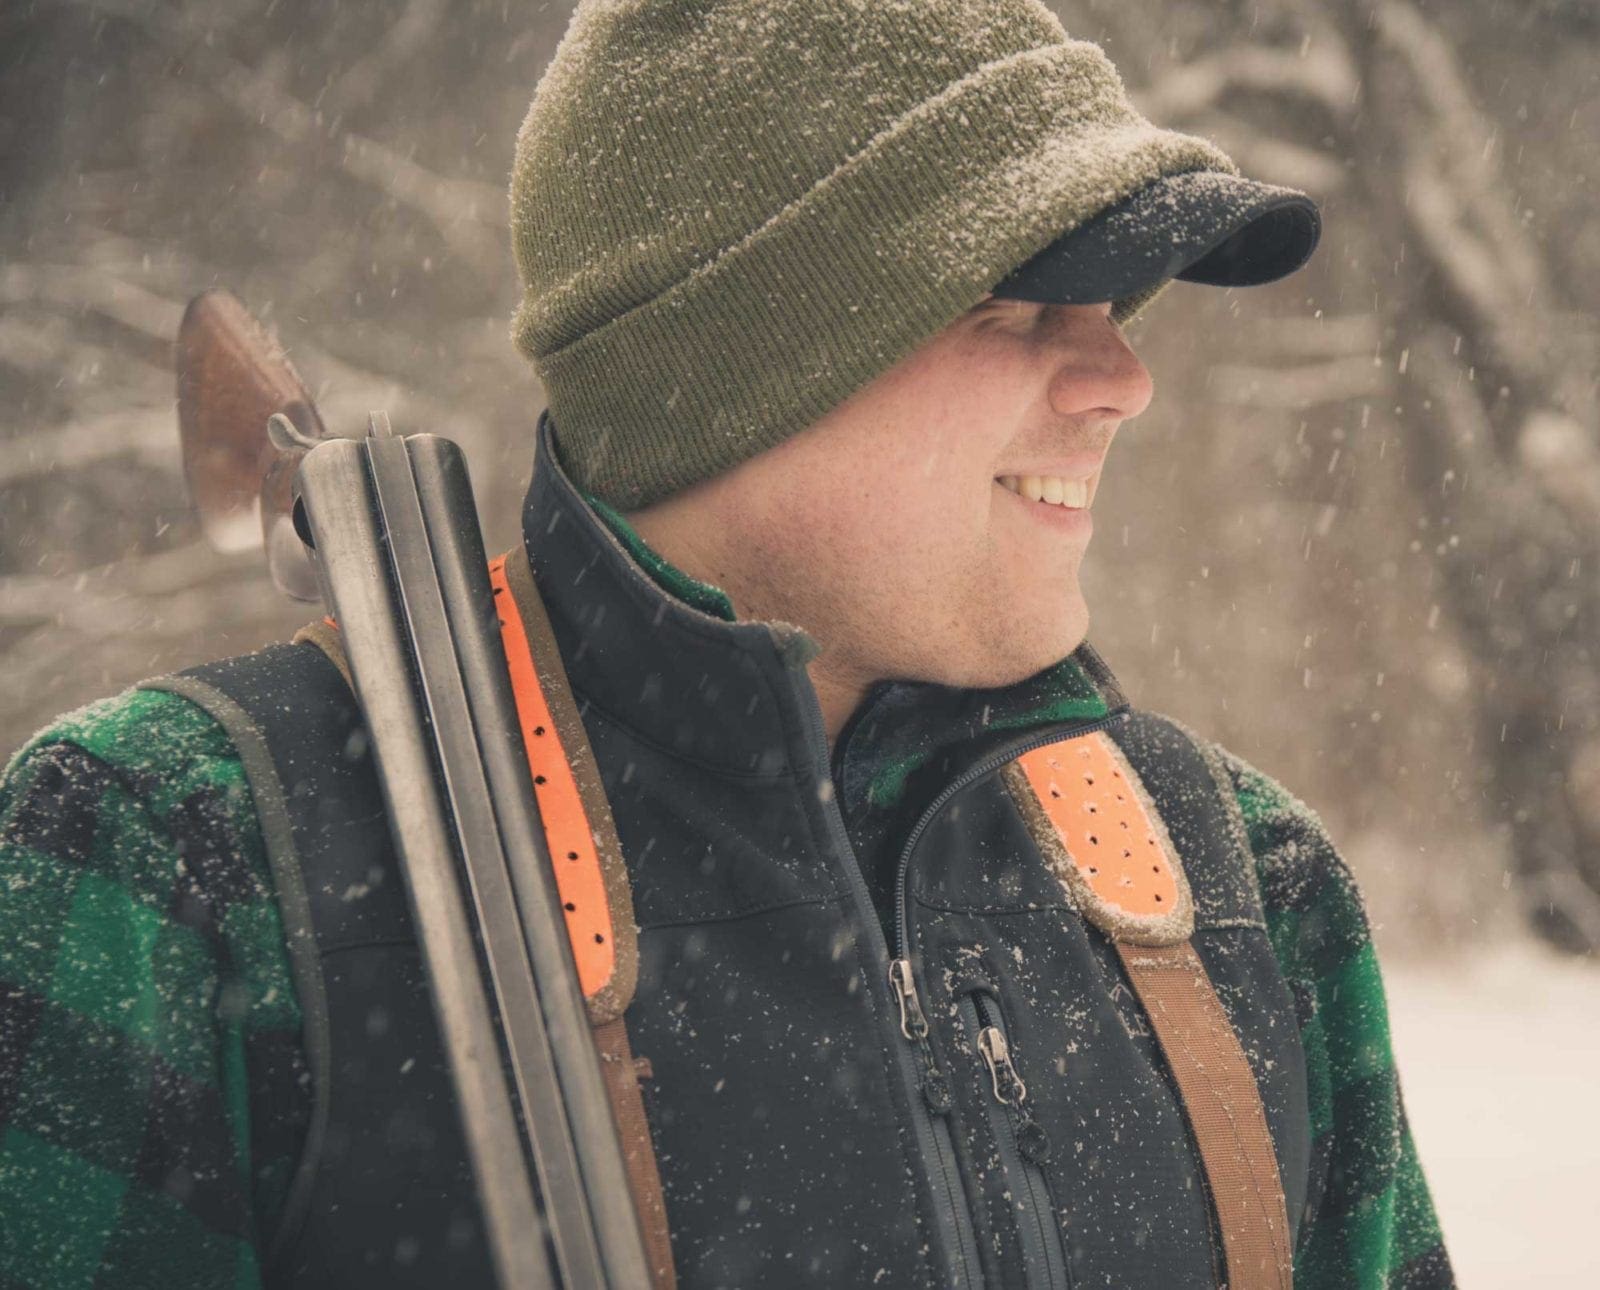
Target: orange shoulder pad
x=1101 y=834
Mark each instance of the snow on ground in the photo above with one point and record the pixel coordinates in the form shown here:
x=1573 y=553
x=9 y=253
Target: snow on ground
x=1500 y=1064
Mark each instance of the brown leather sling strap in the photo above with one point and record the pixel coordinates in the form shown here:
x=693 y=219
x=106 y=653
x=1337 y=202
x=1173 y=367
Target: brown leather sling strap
x=590 y=875
x=1091 y=816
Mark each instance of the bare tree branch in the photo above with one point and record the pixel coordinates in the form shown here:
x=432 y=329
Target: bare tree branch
x=77 y=288
x=1275 y=159
x=1330 y=336
x=1564 y=458
x=147 y=434
x=1461 y=209
x=469 y=216
x=401 y=41
x=1339 y=380
x=1322 y=73
x=113 y=598
x=1466 y=141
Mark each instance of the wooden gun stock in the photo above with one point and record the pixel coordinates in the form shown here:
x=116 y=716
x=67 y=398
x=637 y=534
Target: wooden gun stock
x=233 y=380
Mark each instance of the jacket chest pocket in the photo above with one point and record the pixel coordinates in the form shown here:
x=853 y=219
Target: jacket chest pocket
x=1022 y=1145
x=1081 y=1163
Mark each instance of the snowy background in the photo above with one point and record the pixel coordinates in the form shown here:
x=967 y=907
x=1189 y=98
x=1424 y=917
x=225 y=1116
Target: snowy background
x=1498 y=1053
x=1356 y=537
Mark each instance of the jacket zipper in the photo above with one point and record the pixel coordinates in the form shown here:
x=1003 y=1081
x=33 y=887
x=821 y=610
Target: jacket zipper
x=972 y=773
x=930 y=1098
x=1024 y=1145
x=935 y=1088
x=938 y=1101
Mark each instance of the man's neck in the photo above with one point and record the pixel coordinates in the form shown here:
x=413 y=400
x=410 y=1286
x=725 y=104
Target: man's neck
x=839 y=697
x=839 y=692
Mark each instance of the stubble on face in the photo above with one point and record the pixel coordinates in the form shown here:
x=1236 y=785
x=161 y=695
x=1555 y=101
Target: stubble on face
x=881 y=528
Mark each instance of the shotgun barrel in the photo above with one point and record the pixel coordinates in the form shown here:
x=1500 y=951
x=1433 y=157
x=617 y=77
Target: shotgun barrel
x=397 y=558
x=394 y=531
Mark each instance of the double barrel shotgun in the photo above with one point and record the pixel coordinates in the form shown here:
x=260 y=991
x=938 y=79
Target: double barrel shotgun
x=384 y=530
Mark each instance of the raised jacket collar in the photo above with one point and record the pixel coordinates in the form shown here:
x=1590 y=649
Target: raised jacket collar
x=727 y=694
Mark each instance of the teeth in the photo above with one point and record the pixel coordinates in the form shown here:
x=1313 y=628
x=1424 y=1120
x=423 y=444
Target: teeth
x=1053 y=489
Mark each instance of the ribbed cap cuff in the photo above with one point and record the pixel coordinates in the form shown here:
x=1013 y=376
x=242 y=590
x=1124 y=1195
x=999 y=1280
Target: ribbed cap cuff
x=891 y=246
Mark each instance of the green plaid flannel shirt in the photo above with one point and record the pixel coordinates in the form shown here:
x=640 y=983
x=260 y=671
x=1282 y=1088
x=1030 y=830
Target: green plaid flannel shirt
x=153 y=1092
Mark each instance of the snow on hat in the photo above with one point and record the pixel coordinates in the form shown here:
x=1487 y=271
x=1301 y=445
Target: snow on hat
x=730 y=215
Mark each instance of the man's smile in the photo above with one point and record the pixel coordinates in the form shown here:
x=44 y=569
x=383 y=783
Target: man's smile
x=1056 y=490
x=1070 y=512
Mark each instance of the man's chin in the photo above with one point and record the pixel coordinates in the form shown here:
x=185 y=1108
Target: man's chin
x=1010 y=661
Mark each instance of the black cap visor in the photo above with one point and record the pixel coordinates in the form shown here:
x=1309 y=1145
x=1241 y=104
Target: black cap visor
x=1205 y=226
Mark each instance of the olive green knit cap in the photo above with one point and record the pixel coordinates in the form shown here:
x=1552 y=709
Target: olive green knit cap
x=730 y=215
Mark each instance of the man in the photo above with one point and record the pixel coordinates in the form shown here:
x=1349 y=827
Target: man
x=827 y=300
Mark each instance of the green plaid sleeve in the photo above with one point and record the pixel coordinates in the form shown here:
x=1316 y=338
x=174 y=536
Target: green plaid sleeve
x=152 y=1087
x=1369 y=1220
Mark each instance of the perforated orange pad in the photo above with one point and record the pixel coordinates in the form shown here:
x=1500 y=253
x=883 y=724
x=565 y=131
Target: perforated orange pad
x=566 y=825
x=1103 y=824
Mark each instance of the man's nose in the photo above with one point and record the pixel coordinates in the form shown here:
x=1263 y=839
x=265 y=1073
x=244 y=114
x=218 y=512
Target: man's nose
x=1096 y=370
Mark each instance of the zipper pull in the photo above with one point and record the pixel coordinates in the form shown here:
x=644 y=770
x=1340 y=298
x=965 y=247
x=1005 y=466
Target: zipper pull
x=913 y=1024
x=1032 y=1140
x=935 y=1087
x=1009 y=1090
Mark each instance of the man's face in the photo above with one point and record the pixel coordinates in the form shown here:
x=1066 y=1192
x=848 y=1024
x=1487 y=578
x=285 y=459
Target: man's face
x=887 y=529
